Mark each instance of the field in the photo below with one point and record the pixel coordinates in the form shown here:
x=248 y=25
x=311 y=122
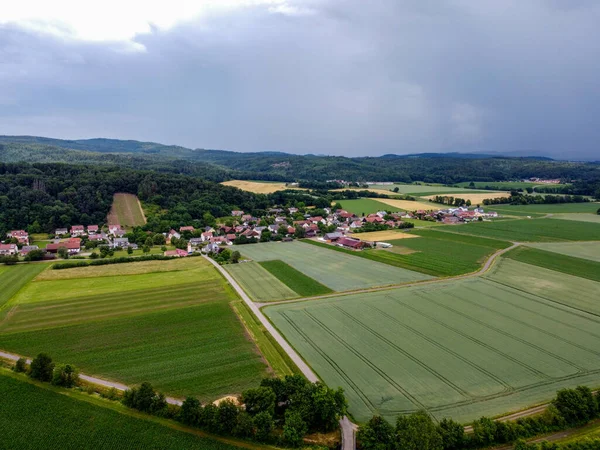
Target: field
x=554 y=208
x=337 y=271
x=595 y=218
x=475 y=198
x=259 y=283
x=126 y=211
x=38 y=417
x=408 y=205
x=533 y=230
x=434 y=253
x=294 y=279
x=13 y=278
x=585 y=250
x=561 y=263
x=418 y=189
x=383 y=235
x=460 y=349
x=363 y=206
x=507 y=184
x=175 y=329
x=258 y=187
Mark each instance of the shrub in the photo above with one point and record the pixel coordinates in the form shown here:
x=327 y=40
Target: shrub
x=145 y=399
x=190 y=412
x=294 y=428
x=66 y=376
x=264 y=426
x=41 y=368
x=20 y=365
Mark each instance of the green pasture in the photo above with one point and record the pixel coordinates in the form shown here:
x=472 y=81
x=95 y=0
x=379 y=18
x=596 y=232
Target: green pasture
x=304 y=285
x=434 y=253
x=39 y=417
x=13 y=278
x=364 y=206
x=259 y=283
x=459 y=349
x=531 y=230
x=340 y=272
x=506 y=185
x=551 y=208
x=552 y=288
x=554 y=261
x=582 y=217
x=421 y=189
x=585 y=250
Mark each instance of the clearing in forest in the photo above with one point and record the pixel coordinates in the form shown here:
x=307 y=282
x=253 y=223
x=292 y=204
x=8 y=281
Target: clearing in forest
x=126 y=211
x=258 y=187
x=461 y=349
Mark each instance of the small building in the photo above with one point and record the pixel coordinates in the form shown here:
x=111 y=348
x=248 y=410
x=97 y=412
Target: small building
x=72 y=245
x=92 y=230
x=196 y=242
x=176 y=253
x=77 y=230
x=20 y=235
x=28 y=248
x=355 y=244
x=61 y=232
x=236 y=213
x=120 y=242
x=8 y=249
x=187 y=228
x=333 y=237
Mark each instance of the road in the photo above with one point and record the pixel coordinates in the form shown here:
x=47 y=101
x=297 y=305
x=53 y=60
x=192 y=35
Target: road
x=347 y=427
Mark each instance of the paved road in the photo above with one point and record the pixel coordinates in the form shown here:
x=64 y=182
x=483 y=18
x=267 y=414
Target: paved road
x=90 y=379
x=348 y=428
x=486 y=266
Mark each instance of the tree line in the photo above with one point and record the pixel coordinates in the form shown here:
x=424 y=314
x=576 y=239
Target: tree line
x=418 y=431
x=517 y=198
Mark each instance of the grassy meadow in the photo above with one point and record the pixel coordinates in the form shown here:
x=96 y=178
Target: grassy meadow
x=14 y=278
x=304 y=285
x=339 y=272
x=585 y=250
x=40 y=417
x=259 y=283
x=363 y=206
x=126 y=211
x=176 y=329
x=461 y=348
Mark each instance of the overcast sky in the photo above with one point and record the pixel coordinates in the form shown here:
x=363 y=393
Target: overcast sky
x=343 y=77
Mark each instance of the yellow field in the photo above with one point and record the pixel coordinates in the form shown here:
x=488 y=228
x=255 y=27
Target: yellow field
x=378 y=191
x=258 y=187
x=475 y=198
x=383 y=235
x=408 y=205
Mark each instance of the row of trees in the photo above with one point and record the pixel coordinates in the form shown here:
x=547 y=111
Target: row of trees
x=524 y=199
x=451 y=201
x=570 y=408
x=292 y=405
x=43 y=369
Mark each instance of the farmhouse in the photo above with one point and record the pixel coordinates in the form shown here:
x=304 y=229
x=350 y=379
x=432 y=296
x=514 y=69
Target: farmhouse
x=354 y=244
x=8 y=249
x=72 y=245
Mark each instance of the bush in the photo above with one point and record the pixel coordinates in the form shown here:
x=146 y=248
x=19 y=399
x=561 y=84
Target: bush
x=294 y=429
x=264 y=426
x=190 y=412
x=65 y=376
x=145 y=399
x=42 y=368
x=20 y=365
x=261 y=399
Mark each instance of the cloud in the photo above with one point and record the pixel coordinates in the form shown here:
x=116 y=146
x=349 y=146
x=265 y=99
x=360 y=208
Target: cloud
x=308 y=76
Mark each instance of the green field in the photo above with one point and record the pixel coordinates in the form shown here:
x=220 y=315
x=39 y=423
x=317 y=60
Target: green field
x=552 y=208
x=13 y=278
x=582 y=217
x=175 y=329
x=421 y=189
x=434 y=253
x=259 y=283
x=304 y=285
x=337 y=271
x=531 y=230
x=364 y=206
x=460 y=349
x=585 y=250
x=38 y=417
x=126 y=211
x=506 y=185
x=554 y=261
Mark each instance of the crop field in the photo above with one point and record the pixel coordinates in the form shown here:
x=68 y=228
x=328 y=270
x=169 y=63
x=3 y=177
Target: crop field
x=294 y=279
x=582 y=217
x=363 y=206
x=38 y=417
x=459 y=349
x=408 y=205
x=507 y=184
x=13 y=278
x=533 y=230
x=554 y=261
x=258 y=187
x=175 y=329
x=418 y=189
x=259 y=283
x=337 y=271
x=555 y=208
x=383 y=235
x=474 y=198
x=585 y=250
x=126 y=211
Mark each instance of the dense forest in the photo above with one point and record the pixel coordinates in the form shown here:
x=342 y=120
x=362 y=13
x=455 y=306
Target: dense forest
x=219 y=165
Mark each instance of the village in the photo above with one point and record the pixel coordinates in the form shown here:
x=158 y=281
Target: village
x=337 y=227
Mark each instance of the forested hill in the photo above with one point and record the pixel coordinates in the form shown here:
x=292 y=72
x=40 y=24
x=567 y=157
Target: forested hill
x=219 y=165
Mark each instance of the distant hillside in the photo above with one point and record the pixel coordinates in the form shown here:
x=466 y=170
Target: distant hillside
x=447 y=168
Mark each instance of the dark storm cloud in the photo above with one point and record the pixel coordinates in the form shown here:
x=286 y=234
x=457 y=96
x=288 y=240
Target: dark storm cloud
x=344 y=77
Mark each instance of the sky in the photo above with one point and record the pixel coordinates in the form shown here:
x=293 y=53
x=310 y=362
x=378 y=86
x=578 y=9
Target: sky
x=336 y=77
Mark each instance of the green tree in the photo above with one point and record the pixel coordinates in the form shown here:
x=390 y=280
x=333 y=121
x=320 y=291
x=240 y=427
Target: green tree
x=63 y=253
x=20 y=365
x=327 y=407
x=417 y=432
x=190 y=412
x=94 y=255
x=41 y=367
x=130 y=250
x=244 y=426
x=300 y=232
x=66 y=376
x=264 y=426
x=35 y=255
x=235 y=257
x=146 y=249
x=149 y=242
x=227 y=416
x=159 y=239
x=294 y=428
x=577 y=406
x=145 y=399
x=257 y=400
x=484 y=432
x=453 y=434
x=376 y=434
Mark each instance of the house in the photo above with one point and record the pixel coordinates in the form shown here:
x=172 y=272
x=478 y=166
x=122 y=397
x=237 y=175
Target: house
x=97 y=237
x=381 y=214
x=61 y=232
x=196 y=242
x=211 y=248
x=450 y=220
x=206 y=236
x=356 y=224
x=310 y=233
x=333 y=237
x=8 y=249
x=231 y=237
x=178 y=253
x=120 y=242
x=251 y=233
x=77 y=230
x=375 y=219
x=187 y=228
x=119 y=233
x=28 y=248
x=317 y=219
x=237 y=213
x=354 y=244
x=92 y=230
x=273 y=228
x=291 y=230
x=72 y=245
x=293 y=210
x=116 y=230
x=19 y=235
x=173 y=234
